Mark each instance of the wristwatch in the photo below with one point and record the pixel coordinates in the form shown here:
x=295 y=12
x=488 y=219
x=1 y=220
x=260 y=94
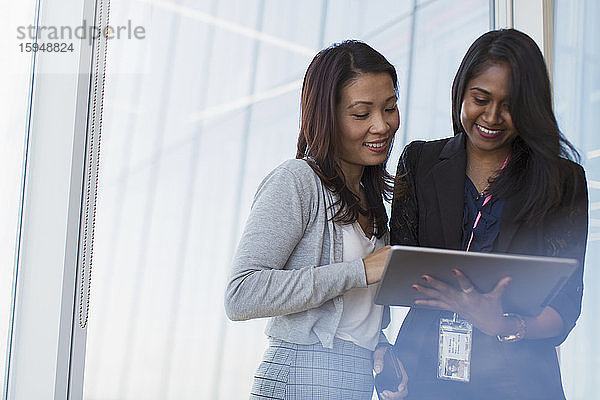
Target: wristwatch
x=519 y=334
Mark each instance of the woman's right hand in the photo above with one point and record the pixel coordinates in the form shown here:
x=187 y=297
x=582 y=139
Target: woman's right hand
x=483 y=310
x=375 y=264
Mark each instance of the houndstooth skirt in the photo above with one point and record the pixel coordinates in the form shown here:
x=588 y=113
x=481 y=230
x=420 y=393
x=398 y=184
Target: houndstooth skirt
x=294 y=371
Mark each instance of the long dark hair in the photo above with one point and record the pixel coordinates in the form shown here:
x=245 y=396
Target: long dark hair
x=319 y=140
x=537 y=163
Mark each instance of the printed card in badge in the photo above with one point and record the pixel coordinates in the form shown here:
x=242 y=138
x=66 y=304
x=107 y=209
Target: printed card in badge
x=455 y=350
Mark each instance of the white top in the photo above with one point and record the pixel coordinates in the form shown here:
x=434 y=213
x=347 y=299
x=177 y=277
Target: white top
x=361 y=317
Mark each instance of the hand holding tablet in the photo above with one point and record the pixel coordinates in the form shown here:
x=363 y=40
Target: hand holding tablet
x=519 y=284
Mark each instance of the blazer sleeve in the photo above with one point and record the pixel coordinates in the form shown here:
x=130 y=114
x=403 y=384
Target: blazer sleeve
x=259 y=285
x=567 y=237
x=404 y=219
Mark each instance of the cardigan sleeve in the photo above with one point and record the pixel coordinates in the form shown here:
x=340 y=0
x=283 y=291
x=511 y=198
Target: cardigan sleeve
x=404 y=219
x=259 y=285
x=567 y=237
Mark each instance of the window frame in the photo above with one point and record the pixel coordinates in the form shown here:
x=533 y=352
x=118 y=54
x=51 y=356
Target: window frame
x=46 y=342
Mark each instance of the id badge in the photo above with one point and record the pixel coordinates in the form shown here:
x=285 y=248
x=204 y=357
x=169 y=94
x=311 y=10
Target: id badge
x=455 y=340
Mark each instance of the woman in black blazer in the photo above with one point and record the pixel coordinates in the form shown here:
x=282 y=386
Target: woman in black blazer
x=505 y=183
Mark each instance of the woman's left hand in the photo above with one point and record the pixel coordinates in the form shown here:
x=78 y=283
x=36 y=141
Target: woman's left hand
x=483 y=310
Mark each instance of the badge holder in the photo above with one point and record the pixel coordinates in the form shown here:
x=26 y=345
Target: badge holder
x=454 y=356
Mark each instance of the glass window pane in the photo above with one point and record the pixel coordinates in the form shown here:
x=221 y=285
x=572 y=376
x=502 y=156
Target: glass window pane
x=15 y=81
x=444 y=30
x=577 y=103
x=186 y=141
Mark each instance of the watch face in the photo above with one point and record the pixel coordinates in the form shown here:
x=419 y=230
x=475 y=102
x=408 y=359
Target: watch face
x=520 y=331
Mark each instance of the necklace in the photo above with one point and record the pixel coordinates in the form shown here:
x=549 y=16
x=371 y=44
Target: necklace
x=480 y=194
x=472 y=170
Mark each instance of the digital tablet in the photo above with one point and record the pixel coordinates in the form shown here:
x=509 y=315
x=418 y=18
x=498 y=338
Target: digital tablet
x=535 y=280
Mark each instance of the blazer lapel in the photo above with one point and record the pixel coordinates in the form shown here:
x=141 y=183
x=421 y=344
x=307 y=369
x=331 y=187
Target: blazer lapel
x=449 y=179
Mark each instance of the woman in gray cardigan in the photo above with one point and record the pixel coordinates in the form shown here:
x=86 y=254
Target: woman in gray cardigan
x=316 y=239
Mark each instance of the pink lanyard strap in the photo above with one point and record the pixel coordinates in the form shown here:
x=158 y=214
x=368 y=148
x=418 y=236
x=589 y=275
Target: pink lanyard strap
x=487 y=200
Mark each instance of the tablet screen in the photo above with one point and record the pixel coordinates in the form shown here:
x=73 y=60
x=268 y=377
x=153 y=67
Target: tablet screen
x=535 y=280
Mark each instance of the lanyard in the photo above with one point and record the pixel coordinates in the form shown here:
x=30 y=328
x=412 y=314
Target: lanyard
x=485 y=201
x=456 y=334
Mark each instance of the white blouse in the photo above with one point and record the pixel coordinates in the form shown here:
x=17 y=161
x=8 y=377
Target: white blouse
x=361 y=318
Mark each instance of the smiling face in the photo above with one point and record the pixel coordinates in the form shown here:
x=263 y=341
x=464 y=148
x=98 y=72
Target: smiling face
x=485 y=114
x=368 y=118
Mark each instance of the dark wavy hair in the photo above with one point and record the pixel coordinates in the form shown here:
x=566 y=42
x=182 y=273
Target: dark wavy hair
x=319 y=140
x=537 y=162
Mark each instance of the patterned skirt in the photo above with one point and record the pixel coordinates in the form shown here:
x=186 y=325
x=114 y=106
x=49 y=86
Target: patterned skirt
x=295 y=371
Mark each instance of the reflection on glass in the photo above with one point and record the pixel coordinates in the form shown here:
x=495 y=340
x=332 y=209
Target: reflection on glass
x=15 y=81
x=577 y=103
x=186 y=142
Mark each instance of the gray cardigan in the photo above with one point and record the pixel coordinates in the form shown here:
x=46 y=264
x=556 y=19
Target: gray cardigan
x=288 y=264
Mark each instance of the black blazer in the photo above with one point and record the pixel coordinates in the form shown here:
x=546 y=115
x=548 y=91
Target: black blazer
x=427 y=211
